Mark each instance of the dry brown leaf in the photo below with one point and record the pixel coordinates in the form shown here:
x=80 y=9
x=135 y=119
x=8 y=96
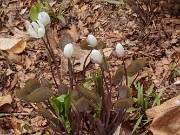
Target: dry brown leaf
x=152 y=112
x=14 y=58
x=5 y=99
x=12 y=45
x=53 y=36
x=80 y=56
x=167 y=122
x=27 y=62
x=73 y=32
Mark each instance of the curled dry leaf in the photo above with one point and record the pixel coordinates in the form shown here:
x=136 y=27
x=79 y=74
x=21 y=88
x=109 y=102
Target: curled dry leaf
x=5 y=99
x=12 y=45
x=167 y=122
x=152 y=112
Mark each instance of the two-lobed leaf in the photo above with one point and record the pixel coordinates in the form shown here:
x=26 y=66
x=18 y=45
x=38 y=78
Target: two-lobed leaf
x=136 y=66
x=40 y=95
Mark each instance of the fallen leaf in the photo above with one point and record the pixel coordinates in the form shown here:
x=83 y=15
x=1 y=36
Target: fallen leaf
x=12 y=45
x=152 y=112
x=73 y=32
x=27 y=62
x=167 y=122
x=80 y=56
x=7 y=99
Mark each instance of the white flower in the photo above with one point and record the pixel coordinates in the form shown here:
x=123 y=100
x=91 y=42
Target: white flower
x=96 y=57
x=120 y=52
x=177 y=83
x=68 y=50
x=177 y=102
x=44 y=18
x=92 y=41
x=36 y=29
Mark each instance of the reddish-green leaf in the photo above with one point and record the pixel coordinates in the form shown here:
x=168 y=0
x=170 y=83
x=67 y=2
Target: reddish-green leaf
x=118 y=75
x=22 y=94
x=46 y=83
x=122 y=104
x=89 y=94
x=82 y=105
x=65 y=39
x=40 y=95
x=84 y=45
x=136 y=66
x=124 y=92
x=101 y=45
x=30 y=86
x=63 y=89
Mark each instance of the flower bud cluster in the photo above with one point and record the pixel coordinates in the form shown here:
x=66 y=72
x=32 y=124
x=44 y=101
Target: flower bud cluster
x=37 y=29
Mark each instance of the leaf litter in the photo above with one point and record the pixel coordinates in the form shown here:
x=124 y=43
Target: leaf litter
x=157 y=42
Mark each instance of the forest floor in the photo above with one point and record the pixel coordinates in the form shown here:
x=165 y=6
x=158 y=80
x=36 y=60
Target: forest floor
x=157 y=41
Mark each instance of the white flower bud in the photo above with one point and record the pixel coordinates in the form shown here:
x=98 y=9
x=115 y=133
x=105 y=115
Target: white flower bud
x=96 y=57
x=177 y=102
x=92 y=41
x=44 y=18
x=36 y=29
x=120 y=52
x=177 y=83
x=68 y=50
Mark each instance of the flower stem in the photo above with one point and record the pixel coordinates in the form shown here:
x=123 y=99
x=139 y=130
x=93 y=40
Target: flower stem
x=70 y=73
x=109 y=97
x=84 y=65
x=53 y=75
x=54 y=59
x=125 y=70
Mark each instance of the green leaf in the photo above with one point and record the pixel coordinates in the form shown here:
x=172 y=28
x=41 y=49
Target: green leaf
x=150 y=90
x=137 y=123
x=56 y=105
x=124 y=92
x=39 y=7
x=118 y=75
x=157 y=98
x=61 y=18
x=140 y=96
x=98 y=83
x=132 y=109
x=89 y=94
x=82 y=105
x=87 y=83
x=40 y=95
x=136 y=66
x=34 y=11
x=122 y=104
x=67 y=101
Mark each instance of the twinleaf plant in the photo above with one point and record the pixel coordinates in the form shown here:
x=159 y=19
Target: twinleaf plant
x=86 y=106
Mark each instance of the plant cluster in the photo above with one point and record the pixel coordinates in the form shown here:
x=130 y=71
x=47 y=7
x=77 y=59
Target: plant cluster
x=78 y=108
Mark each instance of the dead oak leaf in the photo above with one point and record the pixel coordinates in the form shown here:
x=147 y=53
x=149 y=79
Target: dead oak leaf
x=74 y=34
x=167 y=122
x=7 y=99
x=152 y=112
